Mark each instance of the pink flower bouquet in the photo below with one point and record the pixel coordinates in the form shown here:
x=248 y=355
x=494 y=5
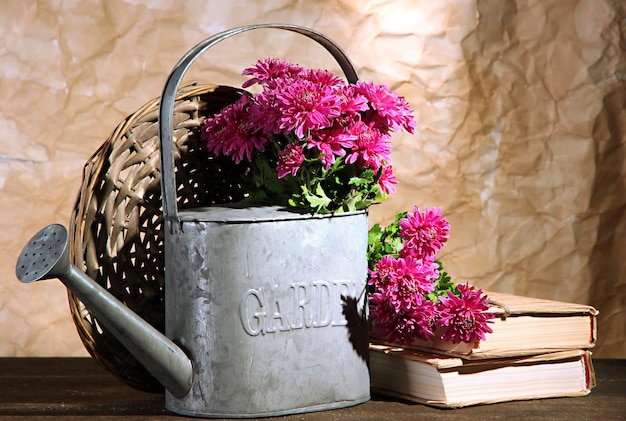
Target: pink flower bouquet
x=411 y=296
x=310 y=140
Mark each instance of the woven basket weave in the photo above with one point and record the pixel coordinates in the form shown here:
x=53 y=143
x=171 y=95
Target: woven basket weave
x=115 y=229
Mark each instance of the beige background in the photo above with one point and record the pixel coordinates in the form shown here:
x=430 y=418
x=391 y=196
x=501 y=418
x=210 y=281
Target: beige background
x=520 y=106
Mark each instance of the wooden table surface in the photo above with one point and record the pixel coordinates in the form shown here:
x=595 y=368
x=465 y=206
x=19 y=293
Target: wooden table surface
x=78 y=388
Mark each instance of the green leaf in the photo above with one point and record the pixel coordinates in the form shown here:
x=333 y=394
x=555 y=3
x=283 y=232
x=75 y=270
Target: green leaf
x=359 y=181
x=444 y=283
x=319 y=200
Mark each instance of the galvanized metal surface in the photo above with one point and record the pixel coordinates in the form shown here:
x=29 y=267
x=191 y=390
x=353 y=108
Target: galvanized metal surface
x=259 y=297
x=269 y=305
x=270 y=309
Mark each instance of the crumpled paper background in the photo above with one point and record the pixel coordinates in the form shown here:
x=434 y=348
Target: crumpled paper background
x=520 y=105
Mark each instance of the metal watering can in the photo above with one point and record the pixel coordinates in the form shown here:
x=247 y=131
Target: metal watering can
x=265 y=308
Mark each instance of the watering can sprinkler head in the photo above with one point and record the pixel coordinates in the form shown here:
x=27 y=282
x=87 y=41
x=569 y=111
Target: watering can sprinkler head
x=46 y=256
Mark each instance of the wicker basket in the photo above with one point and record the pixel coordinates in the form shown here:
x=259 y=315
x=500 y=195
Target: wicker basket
x=115 y=230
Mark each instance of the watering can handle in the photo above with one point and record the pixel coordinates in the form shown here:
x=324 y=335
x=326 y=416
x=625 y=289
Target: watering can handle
x=166 y=107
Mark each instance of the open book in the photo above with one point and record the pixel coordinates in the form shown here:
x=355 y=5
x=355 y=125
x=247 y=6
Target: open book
x=454 y=382
x=525 y=326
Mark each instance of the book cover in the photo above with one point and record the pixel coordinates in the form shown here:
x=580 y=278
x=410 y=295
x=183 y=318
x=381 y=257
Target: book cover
x=452 y=382
x=525 y=326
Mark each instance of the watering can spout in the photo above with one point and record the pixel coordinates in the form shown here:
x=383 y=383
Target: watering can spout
x=46 y=256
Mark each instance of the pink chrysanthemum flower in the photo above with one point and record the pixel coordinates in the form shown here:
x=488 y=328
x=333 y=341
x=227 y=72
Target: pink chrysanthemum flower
x=382 y=274
x=428 y=316
x=330 y=143
x=350 y=102
x=464 y=318
x=306 y=106
x=402 y=327
x=232 y=133
x=264 y=113
x=425 y=233
x=322 y=77
x=390 y=324
x=387 y=180
x=290 y=159
x=390 y=110
x=270 y=69
x=371 y=148
x=409 y=280
x=215 y=132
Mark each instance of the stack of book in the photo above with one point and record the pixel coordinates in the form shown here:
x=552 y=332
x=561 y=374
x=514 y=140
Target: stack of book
x=538 y=349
